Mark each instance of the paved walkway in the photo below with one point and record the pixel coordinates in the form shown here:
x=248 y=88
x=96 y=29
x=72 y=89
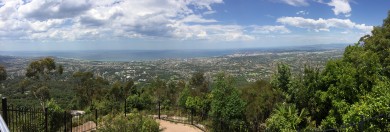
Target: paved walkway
x=86 y=127
x=168 y=126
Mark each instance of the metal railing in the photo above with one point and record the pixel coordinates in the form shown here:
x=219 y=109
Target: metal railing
x=21 y=119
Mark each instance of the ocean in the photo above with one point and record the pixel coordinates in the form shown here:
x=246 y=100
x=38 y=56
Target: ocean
x=122 y=55
x=148 y=55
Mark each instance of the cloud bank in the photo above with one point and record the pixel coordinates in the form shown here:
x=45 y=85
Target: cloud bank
x=146 y=19
x=323 y=24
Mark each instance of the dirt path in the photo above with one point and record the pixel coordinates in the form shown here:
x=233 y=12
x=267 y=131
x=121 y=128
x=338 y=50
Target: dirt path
x=86 y=127
x=176 y=127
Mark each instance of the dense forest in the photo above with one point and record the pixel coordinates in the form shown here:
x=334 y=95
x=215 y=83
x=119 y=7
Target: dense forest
x=348 y=90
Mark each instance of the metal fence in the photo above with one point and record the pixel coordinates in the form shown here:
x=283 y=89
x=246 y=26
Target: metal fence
x=21 y=119
x=197 y=119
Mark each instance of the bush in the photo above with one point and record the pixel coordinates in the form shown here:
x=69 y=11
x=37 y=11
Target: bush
x=133 y=122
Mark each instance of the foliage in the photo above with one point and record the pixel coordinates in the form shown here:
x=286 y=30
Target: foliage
x=142 y=101
x=261 y=99
x=282 y=77
x=286 y=118
x=183 y=97
x=197 y=79
x=56 y=115
x=3 y=73
x=130 y=123
x=88 y=88
x=374 y=104
x=41 y=71
x=227 y=108
x=199 y=105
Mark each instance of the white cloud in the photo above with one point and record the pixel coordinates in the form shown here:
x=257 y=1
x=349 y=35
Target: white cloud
x=341 y=7
x=295 y=2
x=209 y=12
x=41 y=26
x=90 y=19
x=302 y=13
x=111 y=19
x=323 y=24
x=43 y=10
x=211 y=32
x=196 y=19
x=270 y=29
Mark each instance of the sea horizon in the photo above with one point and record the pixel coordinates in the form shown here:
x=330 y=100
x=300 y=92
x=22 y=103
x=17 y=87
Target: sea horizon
x=150 y=55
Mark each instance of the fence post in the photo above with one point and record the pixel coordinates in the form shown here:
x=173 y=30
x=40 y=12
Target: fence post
x=125 y=107
x=192 y=116
x=46 y=120
x=361 y=124
x=71 y=123
x=96 y=117
x=159 y=109
x=4 y=108
x=65 y=121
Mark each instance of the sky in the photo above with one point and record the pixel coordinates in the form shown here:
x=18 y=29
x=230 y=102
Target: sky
x=58 y=25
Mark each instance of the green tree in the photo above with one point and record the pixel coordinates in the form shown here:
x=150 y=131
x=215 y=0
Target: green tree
x=116 y=92
x=286 y=118
x=378 y=42
x=88 y=88
x=184 y=96
x=199 y=83
x=60 y=69
x=197 y=79
x=261 y=99
x=41 y=71
x=306 y=90
x=282 y=77
x=140 y=101
x=56 y=115
x=374 y=104
x=130 y=88
x=227 y=108
x=349 y=83
x=3 y=73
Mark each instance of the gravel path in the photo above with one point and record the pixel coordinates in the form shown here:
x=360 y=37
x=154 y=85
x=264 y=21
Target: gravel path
x=176 y=127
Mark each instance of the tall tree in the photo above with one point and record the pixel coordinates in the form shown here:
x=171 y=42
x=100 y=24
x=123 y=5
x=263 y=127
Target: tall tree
x=3 y=73
x=282 y=77
x=88 y=87
x=261 y=99
x=379 y=42
x=41 y=71
x=199 y=83
x=184 y=94
x=227 y=108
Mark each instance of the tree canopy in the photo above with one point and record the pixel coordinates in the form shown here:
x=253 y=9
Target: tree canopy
x=3 y=73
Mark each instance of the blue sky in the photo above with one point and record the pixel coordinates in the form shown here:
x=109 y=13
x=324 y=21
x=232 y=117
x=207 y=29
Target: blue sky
x=47 y=25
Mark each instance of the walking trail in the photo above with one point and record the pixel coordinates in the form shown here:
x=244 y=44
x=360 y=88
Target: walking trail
x=168 y=126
